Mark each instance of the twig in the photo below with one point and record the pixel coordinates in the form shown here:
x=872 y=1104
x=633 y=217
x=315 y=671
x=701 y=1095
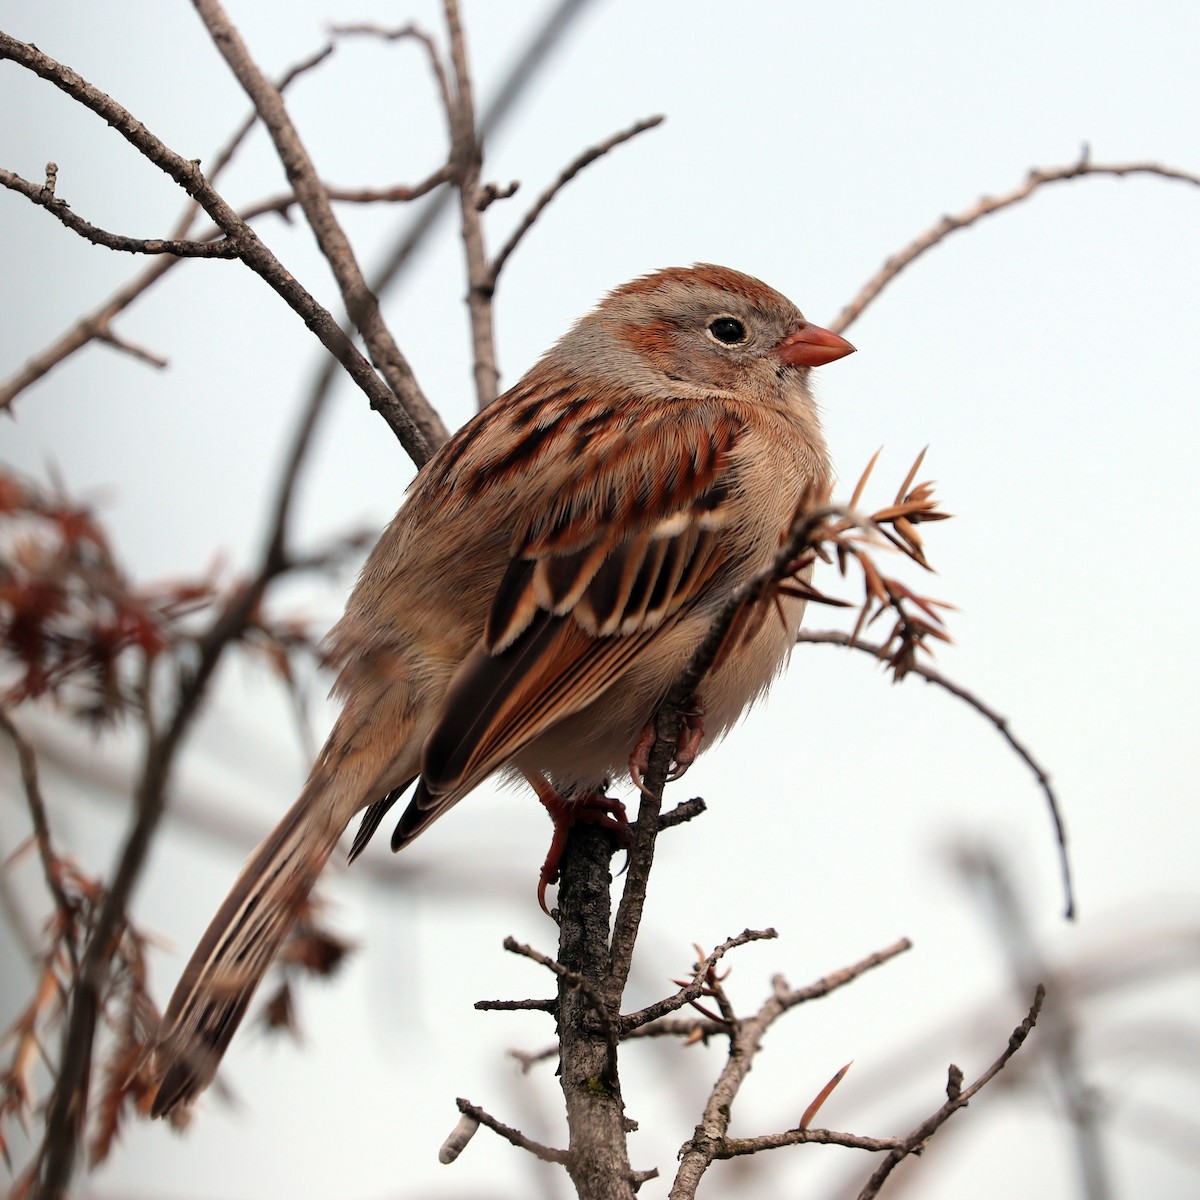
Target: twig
x=957 y=1097
x=519 y=77
x=407 y=417
x=109 y=338
x=834 y=638
x=737 y=1147
x=708 y=1142
x=575 y=981
x=27 y=761
x=515 y=1136
x=98 y=322
x=67 y=1108
x=225 y=247
x=693 y=990
x=584 y=159
x=984 y=207
x=684 y=811
x=516 y=1005
x=466 y=154
x=400 y=193
x=361 y=304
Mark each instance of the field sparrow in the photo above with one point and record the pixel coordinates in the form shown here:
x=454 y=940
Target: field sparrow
x=551 y=572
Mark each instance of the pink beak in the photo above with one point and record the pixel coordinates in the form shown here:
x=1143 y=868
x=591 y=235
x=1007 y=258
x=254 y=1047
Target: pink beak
x=812 y=346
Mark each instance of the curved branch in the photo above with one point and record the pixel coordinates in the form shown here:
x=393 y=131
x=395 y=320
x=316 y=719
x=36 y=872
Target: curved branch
x=830 y=637
x=984 y=207
x=577 y=164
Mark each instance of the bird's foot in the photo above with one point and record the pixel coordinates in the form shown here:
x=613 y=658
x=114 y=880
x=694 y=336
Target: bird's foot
x=593 y=808
x=687 y=747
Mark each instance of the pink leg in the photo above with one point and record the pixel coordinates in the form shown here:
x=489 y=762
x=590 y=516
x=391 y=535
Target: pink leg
x=593 y=809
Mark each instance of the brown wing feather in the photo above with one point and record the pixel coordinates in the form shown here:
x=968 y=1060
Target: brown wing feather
x=598 y=568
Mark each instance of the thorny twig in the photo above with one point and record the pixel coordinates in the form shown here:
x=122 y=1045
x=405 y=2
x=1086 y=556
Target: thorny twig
x=745 y=1039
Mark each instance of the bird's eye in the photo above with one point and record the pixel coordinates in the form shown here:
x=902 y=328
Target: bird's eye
x=729 y=331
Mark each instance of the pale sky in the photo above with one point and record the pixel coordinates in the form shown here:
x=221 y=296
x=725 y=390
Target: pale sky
x=1047 y=356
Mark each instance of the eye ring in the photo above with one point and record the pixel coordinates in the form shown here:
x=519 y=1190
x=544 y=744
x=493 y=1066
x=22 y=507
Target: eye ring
x=728 y=330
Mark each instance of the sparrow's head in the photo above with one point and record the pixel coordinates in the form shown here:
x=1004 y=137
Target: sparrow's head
x=709 y=327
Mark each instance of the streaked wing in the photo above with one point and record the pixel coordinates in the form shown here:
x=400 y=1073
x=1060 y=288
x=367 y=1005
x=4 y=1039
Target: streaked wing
x=601 y=566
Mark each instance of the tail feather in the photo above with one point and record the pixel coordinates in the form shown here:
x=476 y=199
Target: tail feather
x=239 y=945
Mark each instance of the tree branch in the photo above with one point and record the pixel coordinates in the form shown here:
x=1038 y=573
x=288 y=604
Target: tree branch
x=830 y=637
x=467 y=155
x=98 y=324
x=361 y=304
x=255 y=254
x=984 y=207
x=708 y=1143
x=225 y=247
x=957 y=1097
x=577 y=164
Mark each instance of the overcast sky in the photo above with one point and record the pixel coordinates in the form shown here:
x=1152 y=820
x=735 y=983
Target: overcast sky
x=1047 y=356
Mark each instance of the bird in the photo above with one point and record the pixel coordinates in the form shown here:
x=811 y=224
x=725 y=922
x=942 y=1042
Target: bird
x=551 y=571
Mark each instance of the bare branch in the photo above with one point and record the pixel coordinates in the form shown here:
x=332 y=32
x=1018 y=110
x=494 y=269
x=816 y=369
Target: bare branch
x=709 y=1141
x=684 y=811
x=575 y=981
x=226 y=247
x=515 y=1136
x=737 y=1147
x=1038 y=177
x=829 y=637
x=400 y=193
x=693 y=990
x=68 y=1103
x=410 y=416
x=467 y=155
x=516 y=1005
x=27 y=761
x=586 y=158
x=957 y=1097
x=361 y=303
x=109 y=338
x=98 y=323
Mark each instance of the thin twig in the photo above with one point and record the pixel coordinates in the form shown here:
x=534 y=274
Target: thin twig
x=830 y=637
x=577 y=982
x=708 y=1141
x=958 y=1097
x=407 y=417
x=692 y=991
x=521 y=74
x=582 y=160
x=27 y=761
x=984 y=207
x=737 y=1147
x=467 y=155
x=67 y=1108
x=225 y=247
x=516 y=1006
x=98 y=323
x=515 y=1136
x=361 y=303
